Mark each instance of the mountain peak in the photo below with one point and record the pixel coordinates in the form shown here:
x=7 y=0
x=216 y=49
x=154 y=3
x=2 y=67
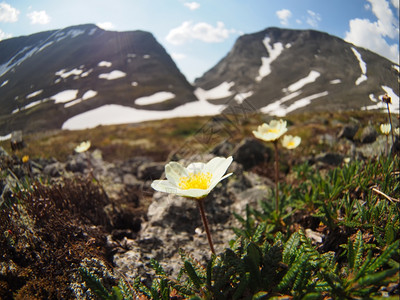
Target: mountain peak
x=279 y=71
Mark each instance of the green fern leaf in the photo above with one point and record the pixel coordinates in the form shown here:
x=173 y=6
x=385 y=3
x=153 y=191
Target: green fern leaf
x=192 y=274
x=384 y=257
x=94 y=284
x=290 y=276
x=290 y=248
x=358 y=250
x=157 y=267
x=377 y=278
x=258 y=234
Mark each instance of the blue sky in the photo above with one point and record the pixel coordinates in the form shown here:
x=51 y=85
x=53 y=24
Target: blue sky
x=197 y=34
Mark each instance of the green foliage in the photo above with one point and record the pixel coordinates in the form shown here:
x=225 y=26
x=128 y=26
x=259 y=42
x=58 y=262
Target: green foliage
x=95 y=285
x=269 y=259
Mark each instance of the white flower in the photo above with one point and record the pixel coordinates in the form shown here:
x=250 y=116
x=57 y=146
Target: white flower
x=195 y=181
x=397 y=131
x=270 y=132
x=385 y=129
x=83 y=147
x=291 y=142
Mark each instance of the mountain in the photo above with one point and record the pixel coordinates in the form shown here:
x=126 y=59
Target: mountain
x=279 y=71
x=83 y=76
x=49 y=77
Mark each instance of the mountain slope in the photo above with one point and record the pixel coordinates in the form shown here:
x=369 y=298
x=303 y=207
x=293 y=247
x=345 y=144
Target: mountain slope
x=59 y=74
x=280 y=71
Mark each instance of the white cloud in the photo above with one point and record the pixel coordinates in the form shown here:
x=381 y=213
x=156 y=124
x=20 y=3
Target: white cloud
x=396 y=5
x=39 y=17
x=192 y=5
x=199 y=31
x=313 y=18
x=284 y=15
x=178 y=56
x=4 y=35
x=8 y=13
x=106 y=25
x=371 y=35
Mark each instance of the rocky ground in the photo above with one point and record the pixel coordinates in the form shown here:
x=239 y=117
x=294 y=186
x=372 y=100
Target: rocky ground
x=58 y=216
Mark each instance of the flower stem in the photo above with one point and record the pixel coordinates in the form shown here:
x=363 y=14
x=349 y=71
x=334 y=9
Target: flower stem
x=276 y=176
x=390 y=122
x=200 y=203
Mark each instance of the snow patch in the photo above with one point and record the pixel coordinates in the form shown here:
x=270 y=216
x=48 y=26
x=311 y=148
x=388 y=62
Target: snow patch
x=89 y=94
x=134 y=83
x=112 y=75
x=277 y=109
x=45 y=46
x=64 y=74
x=85 y=74
x=380 y=105
x=104 y=63
x=92 y=31
x=5 y=137
x=146 y=56
x=218 y=92
x=32 y=104
x=240 y=97
x=372 y=98
x=397 y=68
x=65 y=96
x=26 y=52
x=274 y=52
x=155 y=98
x=118 y=114
x=363 y=66
x=311 y=77
x=34 y=94
x=73 y=33
x=4 y=83
x=335 y=81
x=360 y=79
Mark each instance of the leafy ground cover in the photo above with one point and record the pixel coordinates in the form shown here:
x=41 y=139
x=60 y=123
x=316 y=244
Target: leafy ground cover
x=350 y=249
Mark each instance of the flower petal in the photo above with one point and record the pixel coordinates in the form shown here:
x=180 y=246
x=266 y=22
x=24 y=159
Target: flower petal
x=195 y=167
x=164 y=186
x=214 y=183
x=217 y=167
x=193 y=193
x=174 y=171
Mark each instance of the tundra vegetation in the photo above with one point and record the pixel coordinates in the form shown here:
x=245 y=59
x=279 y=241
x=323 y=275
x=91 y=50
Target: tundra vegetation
x=333 y=234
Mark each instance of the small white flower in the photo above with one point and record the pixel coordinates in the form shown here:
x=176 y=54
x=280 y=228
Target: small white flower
x=196 y=181
x=291 y=142
x=83 y=147
x=397 y=131
x=385 y=129
x=270 y=132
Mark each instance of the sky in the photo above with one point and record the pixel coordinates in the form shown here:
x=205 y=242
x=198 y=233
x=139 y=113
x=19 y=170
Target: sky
x=198 y=34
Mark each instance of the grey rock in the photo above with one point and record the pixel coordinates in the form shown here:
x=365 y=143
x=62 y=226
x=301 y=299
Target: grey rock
x=348 y=131
x=250 y=152
x=55 y=169
x=368 y=134
x=224 y=148
x=77 y=163
x=150 y=171
x=332 y=159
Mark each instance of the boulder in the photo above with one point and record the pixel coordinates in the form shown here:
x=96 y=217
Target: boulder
x=250 y=152
x=368 y=135
x=348 y=131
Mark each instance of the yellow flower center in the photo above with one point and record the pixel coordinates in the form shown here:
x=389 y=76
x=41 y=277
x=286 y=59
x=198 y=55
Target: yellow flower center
x=195 y=181
x=273 y=130
x=290 y=144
